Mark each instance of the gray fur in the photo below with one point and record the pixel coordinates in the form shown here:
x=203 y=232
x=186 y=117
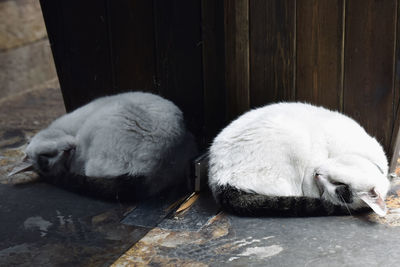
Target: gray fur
x=138 y=135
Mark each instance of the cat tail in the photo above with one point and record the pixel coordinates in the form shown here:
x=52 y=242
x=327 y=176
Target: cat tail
x=244 y=203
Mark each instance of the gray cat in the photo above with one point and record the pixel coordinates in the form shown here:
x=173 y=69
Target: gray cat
x=297 y=159
x=127 y=146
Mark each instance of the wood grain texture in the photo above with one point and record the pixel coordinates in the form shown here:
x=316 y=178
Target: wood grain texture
x=237 y=75
x=319 y=52
x=250 y=52
x=213 y=67
x=395 y=152
x=78 y=33
x=272 y=51
x=369 y=54
x=131 y=26
x=179 y=58
x=394 y=148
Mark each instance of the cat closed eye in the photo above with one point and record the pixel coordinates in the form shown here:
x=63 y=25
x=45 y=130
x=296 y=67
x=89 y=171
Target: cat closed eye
x=337 y=183
x=48 y=154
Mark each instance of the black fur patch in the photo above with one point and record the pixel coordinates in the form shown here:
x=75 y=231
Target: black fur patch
x=121 y=188
x=344 y=193
x=251 y=204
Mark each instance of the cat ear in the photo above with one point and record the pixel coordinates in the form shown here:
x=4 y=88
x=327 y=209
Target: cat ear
x=374 y=200
x=24 y=166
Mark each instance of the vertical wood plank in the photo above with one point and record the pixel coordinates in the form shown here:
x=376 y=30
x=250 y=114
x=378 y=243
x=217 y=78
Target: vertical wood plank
x=80 y=44
x=213 y=67
x=237 y=75
x=132 y=44
x=319 y=52
x=179 y=58
x=369 y=54
x=394 y=150
x=394 y=162
x=272 y=51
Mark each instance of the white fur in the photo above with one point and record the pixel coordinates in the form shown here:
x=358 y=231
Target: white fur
x=129 y=133
x=277 y=150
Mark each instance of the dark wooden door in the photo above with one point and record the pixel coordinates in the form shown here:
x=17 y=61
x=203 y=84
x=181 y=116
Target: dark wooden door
x=217 y=59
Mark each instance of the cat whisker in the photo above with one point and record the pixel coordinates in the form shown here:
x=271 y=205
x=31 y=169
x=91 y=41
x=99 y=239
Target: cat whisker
x=345 y=204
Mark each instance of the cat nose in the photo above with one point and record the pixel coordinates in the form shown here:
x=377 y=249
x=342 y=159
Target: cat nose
x=43 y=163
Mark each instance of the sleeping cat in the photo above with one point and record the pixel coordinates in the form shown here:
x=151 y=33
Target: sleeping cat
x=297 y=159
x=122 y=146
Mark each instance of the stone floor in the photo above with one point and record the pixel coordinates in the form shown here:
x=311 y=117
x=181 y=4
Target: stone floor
x=42 y=225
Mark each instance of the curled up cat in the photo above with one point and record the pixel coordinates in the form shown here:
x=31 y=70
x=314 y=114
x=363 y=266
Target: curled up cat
x=125 y=146
x=295 y=159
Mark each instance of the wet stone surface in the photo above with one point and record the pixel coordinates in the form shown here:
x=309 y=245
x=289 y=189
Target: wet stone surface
x=238 y=241
x=46 y=226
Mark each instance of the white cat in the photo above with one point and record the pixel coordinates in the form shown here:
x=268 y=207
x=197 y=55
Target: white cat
x=130 y=135
x=297 y=159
